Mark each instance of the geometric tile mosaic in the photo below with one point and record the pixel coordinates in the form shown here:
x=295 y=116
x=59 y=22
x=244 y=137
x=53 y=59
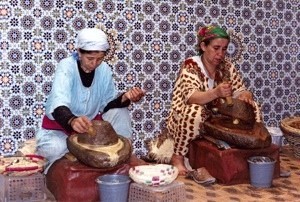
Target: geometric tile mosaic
x=149 y=40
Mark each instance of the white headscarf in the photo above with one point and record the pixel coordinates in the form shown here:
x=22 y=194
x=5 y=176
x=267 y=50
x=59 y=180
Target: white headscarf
x=92 y=39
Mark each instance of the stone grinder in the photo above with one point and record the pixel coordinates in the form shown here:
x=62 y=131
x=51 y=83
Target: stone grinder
x=100 y=147
x=235 y=124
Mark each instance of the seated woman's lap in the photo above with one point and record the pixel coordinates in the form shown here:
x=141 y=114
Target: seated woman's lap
x=120 y=120
x=52 y=145
x=185 y=127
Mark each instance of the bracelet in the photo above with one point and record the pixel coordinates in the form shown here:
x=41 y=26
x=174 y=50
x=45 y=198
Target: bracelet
x=71 y=119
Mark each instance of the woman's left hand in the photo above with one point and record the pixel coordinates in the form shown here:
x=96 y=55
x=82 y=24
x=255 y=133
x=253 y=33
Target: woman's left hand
x=134 y=94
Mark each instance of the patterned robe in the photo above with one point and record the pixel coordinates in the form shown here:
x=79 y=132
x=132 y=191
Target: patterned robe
x=186 y=120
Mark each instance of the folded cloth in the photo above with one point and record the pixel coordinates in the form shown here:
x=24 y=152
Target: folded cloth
x=201 y=176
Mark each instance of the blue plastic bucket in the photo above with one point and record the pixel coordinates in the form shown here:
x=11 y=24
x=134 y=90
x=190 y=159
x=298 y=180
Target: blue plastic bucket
x=113 y=188
x=261 y=171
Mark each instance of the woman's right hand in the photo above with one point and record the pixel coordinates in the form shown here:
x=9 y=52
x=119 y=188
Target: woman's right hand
x=224 y=90
x=81 y=124
x=202 y=98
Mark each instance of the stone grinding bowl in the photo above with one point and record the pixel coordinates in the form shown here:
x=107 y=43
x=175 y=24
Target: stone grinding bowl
x=247 y=133
x=239 y=110
x=254 y=138
x=104 y=149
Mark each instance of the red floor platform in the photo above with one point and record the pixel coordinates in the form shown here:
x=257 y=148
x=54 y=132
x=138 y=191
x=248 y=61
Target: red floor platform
x=228 y=166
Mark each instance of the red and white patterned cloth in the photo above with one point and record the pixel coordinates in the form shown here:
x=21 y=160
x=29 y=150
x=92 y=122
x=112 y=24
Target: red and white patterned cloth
x=21 y=165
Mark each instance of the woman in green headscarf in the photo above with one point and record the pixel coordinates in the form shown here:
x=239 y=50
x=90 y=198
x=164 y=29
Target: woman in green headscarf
x=200 y=81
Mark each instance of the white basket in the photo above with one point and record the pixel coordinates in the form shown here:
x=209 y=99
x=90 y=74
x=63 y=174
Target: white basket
x=154 y=175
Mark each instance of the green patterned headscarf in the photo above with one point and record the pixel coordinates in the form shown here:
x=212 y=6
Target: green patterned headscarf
x=212 y=32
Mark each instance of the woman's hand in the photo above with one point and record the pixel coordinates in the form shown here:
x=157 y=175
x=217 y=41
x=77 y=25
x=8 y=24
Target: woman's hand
x=81 y=124
x=224 y=90
x=201 y=98
x=134 y=94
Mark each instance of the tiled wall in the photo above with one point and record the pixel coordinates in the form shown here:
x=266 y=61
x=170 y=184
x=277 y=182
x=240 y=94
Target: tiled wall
x=150 y=39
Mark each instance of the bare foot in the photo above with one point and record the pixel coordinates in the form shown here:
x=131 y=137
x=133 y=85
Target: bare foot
x=178 y=162
x=135 y=161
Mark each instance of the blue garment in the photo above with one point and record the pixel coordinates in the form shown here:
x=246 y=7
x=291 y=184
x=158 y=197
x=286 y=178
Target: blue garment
x=68 y=90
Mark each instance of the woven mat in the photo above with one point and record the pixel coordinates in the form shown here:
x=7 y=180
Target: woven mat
x=283 y=189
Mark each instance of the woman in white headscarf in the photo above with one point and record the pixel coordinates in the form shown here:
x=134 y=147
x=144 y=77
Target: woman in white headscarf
x=83 y=89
